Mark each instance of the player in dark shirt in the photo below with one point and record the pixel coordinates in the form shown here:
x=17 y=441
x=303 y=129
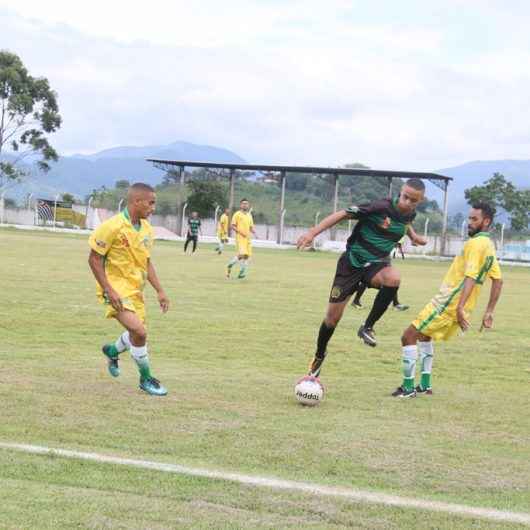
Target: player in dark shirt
x=194 y=229
x=381 y=225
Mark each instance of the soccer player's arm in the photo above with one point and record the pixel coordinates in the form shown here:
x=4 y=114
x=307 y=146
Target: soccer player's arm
x=306 y=239
x=495 y=293
x=473 y=254
x=152 y=278
x=414 y=237
x=235 y=224
x=100 y=242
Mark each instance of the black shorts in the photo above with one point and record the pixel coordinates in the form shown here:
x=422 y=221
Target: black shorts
x=189 y=237
x=347 y=278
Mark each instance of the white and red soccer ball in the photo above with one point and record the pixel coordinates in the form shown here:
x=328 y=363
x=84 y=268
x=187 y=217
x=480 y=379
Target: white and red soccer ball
x=309 y=391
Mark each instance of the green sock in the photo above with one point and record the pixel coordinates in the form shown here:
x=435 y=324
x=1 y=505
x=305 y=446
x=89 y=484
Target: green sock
x=425 y=381
x=408 y=383
x=111 y=350
x=139 y=354
x=409 y=356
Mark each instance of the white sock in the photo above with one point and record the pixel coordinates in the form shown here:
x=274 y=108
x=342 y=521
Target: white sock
x=123 y=343
x=410 y=354
x=140 y=355
x=426 y=350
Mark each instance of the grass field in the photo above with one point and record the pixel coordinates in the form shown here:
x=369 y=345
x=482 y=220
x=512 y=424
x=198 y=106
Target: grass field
x=229 y=352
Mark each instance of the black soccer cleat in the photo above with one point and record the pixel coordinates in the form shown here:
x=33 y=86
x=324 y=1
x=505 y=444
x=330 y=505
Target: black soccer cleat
x=367 y=335
x=402 y=392
x=356 y=304
x=423 y=391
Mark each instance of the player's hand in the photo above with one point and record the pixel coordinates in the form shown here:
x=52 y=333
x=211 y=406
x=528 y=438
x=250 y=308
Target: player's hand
x=419 y=240
x=461 y=317
x=305 y=241
x=487 y=321
x=114 y=299
x=163 y=300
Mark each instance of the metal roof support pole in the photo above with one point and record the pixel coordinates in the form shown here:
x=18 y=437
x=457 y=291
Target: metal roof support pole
x=231 y=198
x=180 y=192
x=279 y=230
x=333 y=231
x=444 y=225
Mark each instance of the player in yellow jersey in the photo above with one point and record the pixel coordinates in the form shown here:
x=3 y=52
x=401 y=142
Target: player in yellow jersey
x=222 y=230
x=243 y=226
x=120 y=258
x=449 y=310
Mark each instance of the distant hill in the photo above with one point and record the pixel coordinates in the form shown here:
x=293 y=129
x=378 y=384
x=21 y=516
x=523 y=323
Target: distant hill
x=80 y=174
x=477 y=172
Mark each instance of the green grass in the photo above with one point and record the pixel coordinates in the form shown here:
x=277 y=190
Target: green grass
x=230 y=352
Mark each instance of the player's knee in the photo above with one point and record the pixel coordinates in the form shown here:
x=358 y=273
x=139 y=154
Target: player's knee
x=138 y=335
x=392 y=278
x=409 y=336
x=332 y=319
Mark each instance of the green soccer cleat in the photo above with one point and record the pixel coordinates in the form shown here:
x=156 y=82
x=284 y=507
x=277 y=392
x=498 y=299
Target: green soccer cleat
x=109 y=350
x=152 y=386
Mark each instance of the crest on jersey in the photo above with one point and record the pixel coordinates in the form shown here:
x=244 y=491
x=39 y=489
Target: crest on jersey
x=124 y=241
x=386 y=222
x=335 y=292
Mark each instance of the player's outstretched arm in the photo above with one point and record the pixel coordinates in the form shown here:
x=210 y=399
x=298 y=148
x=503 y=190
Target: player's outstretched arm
x=464 y=324
x=306 y=239
x=96 y=265
x=495 y=293
x=415 y=238
x=152 y=277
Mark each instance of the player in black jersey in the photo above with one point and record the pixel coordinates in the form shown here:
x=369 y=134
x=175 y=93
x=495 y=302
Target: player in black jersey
x=381 y=225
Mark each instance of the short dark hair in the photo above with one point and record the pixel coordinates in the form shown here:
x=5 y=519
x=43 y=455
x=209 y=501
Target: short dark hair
x=487 y=209
x=243 y=200
x=140 y=186
x=416 y=183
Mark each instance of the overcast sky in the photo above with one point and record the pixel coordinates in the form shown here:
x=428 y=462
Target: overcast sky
x=396 y=85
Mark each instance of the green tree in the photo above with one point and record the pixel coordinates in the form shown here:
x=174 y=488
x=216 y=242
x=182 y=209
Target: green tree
x=68 y=197
x=122 y=184
x=502 y=194
x=28 y=112
x=205 y=195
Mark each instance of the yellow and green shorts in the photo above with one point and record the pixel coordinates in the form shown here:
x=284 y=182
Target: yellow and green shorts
x=244 y=246
x=134 y=303
x=435 y=324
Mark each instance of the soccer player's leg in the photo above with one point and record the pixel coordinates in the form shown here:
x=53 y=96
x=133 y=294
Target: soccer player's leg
x=386 y=278
x=134 y=323
x=194 y=239
x=344 y=284
x=409 y=356
x=356 y=302
x=327 y=328
x=113 y=350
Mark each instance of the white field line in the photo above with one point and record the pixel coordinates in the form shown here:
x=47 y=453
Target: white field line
x=279 y=484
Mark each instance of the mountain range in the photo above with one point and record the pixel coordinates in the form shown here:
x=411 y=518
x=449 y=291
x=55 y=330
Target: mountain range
x=80 y=174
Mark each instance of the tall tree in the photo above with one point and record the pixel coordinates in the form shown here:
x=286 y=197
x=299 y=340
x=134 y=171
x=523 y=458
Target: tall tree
x=502 y=194
x=205 y=195
x=28 y=112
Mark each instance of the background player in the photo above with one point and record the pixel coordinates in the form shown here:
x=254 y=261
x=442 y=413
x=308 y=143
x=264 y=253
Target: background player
x=194 y=229
x=449 y=310
x=381 y=225
x=222 y=230
x=243 y=225
x=120 y=260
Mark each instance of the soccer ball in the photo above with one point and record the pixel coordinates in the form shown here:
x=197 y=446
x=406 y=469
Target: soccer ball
x=309 y=391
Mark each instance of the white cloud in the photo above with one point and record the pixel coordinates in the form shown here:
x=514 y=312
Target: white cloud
x=297 y=82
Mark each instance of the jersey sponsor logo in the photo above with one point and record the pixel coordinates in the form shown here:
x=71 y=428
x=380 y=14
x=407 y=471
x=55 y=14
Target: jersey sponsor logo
x=100 y=243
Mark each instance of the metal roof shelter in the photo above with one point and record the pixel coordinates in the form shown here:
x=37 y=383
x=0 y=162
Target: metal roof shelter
x=440 y=181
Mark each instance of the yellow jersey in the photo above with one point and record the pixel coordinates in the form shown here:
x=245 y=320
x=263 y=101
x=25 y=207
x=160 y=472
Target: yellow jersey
x=477 y=261
x=125 y=250
x=222 y=226
x=243 y=222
